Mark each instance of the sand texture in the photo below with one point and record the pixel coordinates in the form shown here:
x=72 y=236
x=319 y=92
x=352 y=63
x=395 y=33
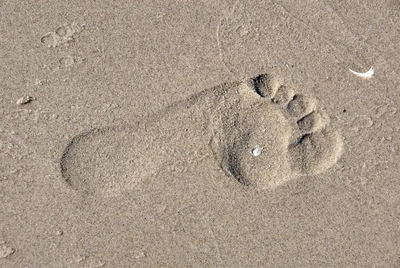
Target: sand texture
x=199 y=134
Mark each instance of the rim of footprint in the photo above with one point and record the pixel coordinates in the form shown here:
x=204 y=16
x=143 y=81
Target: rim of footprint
x=259 y=131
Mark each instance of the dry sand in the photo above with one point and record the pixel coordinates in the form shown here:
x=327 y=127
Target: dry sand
x=199 y=134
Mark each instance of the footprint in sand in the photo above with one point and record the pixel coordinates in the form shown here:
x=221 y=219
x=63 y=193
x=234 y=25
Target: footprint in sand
x=260 y=132
x=62 y=35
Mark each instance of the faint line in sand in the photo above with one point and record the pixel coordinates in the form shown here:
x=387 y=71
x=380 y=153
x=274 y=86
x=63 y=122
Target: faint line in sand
x=216 y=244
x=221 y=56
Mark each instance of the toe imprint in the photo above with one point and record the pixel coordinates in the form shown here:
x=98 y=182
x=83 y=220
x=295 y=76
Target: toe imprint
x=266 y=85
x=283 y=95
x=315 y=152
x=300 y=105
x=312 y=122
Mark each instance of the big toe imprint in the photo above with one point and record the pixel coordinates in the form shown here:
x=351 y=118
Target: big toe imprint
x=315 y=152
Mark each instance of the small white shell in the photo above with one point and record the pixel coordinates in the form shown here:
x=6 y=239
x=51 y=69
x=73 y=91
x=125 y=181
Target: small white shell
x=365 y=75
x=256 y=151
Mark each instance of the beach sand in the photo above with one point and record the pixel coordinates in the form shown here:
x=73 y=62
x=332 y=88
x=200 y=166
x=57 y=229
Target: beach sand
x=199 y=134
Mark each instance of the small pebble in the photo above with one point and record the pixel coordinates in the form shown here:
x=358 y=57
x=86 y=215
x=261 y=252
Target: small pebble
x=80 y=258
x=24 y=100
x=6 y=251
x=140 y=255
x=59 y=233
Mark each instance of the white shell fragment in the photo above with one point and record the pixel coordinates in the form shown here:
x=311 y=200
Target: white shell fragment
x=365 y=75
x=256 y=151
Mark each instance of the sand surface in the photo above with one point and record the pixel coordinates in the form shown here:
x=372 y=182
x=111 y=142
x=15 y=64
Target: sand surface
x=199 y=134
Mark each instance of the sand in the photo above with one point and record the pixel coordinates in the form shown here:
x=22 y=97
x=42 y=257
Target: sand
x=199 y=134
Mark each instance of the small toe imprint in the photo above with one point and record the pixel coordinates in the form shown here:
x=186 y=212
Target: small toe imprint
x=312 y=122
x=283 y=95
x=300 y=105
